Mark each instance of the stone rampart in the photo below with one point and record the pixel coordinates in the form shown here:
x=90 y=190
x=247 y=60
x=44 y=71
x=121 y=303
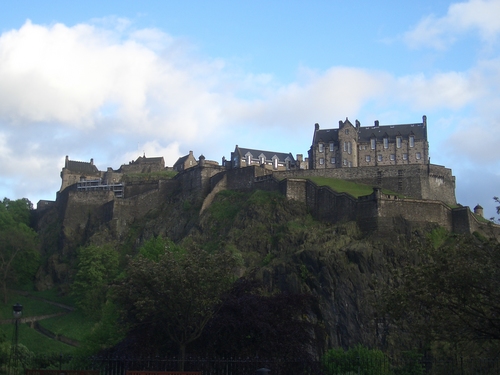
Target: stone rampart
x=417 y=181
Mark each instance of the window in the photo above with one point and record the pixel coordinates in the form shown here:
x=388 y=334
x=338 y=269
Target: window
x=398 y=142
x=349 y=148
x=320 y=147
x=262 y=160
x=332 y=161
x=372 y=143
x=275 y=163
x=347 y=131
x=386 y=142
x=405 y=156
x=249 y=160
x=393 y=157
x=321 y=161
x=412 y=141
x=418 y=155
x=350 y=164
x=345 y=161
x=332 y=147
x=379 y=157
x=368 y=158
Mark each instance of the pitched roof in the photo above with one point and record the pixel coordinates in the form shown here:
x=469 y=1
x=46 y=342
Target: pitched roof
x=419 y=130
x=81 y=167
x=282 y=156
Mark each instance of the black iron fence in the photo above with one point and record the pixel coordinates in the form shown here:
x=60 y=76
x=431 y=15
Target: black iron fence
x=249 y=366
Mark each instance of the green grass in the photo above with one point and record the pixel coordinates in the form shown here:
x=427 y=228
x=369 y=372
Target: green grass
x=31 y=307
x=74 y=325
x=35 y=341
x=349 y=187
x=54 y=296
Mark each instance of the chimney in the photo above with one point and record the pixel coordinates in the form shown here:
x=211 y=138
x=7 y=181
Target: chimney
x=201 y=160
x=66 y=161
x=316 y=127
x=376 y=123
x=92 y=161
x=358 y=124
x=424 y=120
x=299 y=158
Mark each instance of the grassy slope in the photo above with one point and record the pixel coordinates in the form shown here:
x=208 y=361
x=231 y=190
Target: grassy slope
x=72 y=325
x=349 y=187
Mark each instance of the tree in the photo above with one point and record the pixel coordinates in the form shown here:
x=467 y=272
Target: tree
x=19 y=256
x=97 y=267
x=254 y=323
x=453 y=294
x=178 y=294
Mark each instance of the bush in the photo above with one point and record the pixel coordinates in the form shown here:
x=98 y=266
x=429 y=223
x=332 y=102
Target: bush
x=357 y=360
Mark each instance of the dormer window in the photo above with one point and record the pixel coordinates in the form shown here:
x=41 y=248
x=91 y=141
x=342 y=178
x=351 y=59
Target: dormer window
x=398 y=142
x=249 y=159
x=332 y=147
x=373 y=143
x=386 y=142
x=412 y=141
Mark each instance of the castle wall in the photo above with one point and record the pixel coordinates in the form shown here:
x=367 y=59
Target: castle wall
x=132 y=189
x=416 y=211
x=417 y=181
x=196 y=180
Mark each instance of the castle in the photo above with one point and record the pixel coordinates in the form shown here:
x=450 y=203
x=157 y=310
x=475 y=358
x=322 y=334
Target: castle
x=387 y=157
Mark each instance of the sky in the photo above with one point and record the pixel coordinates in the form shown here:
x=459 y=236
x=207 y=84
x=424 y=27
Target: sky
x=115 y=80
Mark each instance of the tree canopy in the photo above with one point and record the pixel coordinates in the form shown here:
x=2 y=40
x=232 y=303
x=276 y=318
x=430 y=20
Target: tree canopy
x=453 y=294
x=19 y=255
x=178 y=293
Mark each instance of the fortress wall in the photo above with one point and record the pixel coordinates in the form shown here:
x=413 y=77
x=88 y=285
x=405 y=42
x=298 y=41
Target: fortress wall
x=418 y=181
x=440 y=185
x=241 y=178
x=132 y=189
x=417 y=211
x=294 y=189
x=268 y=183
x=197 y=179
x=328 y=205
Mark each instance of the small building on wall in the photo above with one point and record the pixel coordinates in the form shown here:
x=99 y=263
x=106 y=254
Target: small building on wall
x=246 y=157
x=76 y=171
x=185 y=162
x=352 y=146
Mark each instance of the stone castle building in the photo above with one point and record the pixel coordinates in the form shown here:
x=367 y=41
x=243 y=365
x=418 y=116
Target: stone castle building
x=272 y=160
x=352 y=146
x=393 y=159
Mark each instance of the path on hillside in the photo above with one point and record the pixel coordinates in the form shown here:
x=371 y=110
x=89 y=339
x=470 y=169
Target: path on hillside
x=33 y=320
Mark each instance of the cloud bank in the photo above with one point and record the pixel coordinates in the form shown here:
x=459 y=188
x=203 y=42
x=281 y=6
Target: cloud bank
x=108 y=91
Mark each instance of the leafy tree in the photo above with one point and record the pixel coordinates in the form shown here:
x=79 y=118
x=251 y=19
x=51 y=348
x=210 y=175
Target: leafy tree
x=178 y=294
x=97 y=267
x=453 y=294
x=19 y=255
x=253 y=323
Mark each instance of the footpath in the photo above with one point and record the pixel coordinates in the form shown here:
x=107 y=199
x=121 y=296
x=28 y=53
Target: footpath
x=32 y=321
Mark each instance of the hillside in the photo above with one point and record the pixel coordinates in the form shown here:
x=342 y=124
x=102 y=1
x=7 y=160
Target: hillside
x=280 y=244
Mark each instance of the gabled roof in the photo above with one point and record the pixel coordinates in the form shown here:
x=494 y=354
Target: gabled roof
x=145 y=160
x=81 y=167
x=326 y=136
x=282 y=156
x=418 y=130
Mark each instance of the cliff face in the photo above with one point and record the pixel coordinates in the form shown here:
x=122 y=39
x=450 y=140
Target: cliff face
x=277 y=239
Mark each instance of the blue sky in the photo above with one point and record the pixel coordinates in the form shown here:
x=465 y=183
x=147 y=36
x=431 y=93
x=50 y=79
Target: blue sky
x=111 y=80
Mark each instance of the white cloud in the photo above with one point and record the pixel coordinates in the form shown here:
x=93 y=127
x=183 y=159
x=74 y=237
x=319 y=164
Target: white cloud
x=481 y=16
